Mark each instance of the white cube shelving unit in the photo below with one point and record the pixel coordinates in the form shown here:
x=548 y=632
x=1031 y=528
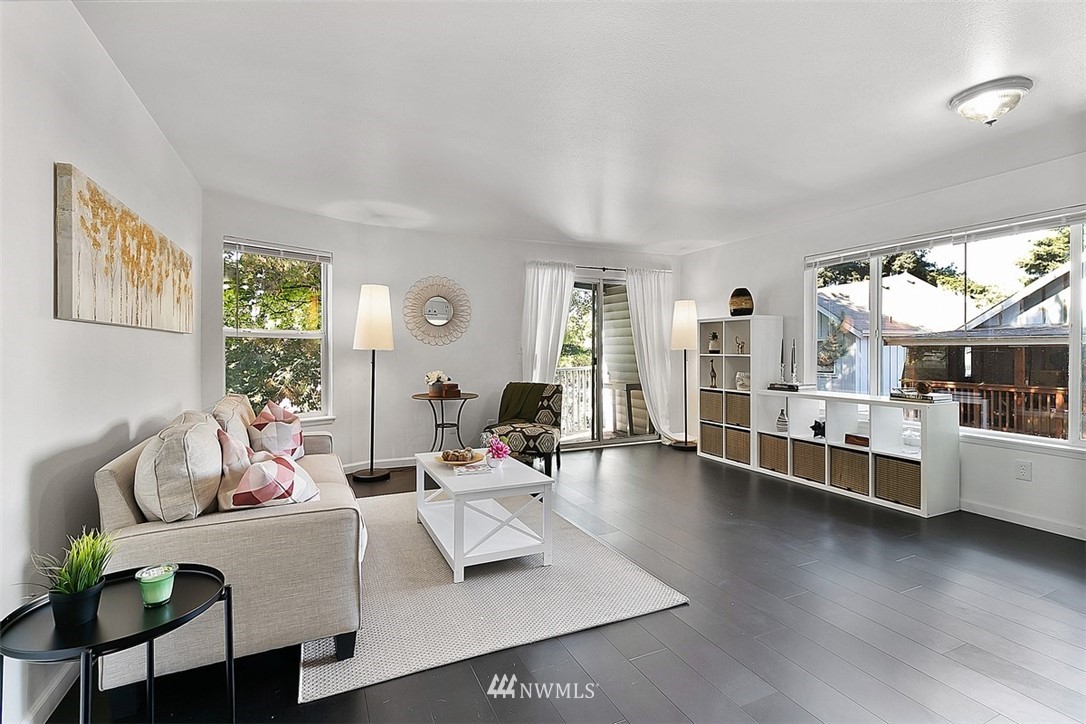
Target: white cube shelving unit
x=911 y=461
x=727 y=416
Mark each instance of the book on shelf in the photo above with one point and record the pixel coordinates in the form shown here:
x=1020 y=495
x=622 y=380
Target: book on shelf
x=790 y=386
x=480 y=468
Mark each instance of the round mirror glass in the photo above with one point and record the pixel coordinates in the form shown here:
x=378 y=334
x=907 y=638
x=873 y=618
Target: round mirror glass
x=437 y=311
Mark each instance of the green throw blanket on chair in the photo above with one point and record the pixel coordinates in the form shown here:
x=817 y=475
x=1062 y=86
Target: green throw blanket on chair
x=520 y=401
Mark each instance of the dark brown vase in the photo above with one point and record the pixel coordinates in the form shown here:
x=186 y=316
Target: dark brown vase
x=71 y=610
x=741 y=303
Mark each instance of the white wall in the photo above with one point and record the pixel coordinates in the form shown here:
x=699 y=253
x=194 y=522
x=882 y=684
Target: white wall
x=74 y=394
x=482 y=361
x=771 y=266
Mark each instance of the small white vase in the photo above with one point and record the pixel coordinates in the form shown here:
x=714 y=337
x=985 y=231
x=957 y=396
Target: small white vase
x=493 y=461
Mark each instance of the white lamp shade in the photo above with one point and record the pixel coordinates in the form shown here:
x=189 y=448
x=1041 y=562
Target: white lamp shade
x=373 y=328
x=684 y=325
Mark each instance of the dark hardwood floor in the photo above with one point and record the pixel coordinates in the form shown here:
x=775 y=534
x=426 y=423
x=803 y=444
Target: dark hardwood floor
x=804 y=606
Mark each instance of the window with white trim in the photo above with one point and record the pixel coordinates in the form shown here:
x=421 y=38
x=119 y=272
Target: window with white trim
x=991 y=315
x=275 y=325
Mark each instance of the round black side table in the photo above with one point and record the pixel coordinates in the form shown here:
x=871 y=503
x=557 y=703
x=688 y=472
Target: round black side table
x=28 y=632
x=440 y=425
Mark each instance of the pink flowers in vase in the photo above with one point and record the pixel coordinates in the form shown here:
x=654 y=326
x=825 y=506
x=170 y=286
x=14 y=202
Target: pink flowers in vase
x=496 y=450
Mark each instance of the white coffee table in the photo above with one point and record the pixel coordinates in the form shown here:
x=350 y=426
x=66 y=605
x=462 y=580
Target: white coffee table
x=472 y=527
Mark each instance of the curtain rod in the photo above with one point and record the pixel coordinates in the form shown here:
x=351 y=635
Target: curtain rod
x=612 y=268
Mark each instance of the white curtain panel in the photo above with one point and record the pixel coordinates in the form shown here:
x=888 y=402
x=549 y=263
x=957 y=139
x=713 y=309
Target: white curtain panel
x=548 y=286
x=651 y=302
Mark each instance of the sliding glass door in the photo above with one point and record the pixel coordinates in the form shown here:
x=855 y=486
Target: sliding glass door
x=602 y=398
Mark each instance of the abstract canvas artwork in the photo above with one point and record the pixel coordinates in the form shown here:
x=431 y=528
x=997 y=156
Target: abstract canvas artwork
x=112 y=266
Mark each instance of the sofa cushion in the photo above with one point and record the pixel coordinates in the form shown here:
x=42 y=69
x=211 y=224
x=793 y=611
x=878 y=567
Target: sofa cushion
x=325 y=469
x=277 y=431
x=254 y=479
x=177 y=475
x=234 y=414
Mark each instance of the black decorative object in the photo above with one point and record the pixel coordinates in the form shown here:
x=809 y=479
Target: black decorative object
x=741 y=303
x=819 y=428
x=72 y=610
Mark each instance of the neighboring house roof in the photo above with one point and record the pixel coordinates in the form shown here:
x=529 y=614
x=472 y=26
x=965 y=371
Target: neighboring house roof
x=925 y=306
x=1037 y=311
x=986 y=336
x=1035 y=304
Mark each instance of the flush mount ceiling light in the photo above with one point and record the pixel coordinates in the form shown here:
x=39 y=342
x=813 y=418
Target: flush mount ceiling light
x=988 y=102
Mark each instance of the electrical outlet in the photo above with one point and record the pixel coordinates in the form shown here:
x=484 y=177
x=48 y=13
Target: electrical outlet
x=1023 y=470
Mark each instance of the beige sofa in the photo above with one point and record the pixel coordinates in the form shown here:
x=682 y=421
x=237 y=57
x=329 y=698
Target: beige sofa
x=294 y=569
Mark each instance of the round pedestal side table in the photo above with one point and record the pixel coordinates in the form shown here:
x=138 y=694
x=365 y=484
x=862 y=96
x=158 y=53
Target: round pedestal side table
x=440 y=424
x=28 y=633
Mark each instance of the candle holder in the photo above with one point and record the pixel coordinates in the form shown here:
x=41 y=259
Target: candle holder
x=156 y=584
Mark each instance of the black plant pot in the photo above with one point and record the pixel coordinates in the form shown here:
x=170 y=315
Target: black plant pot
x=741 y=303
x=71 y=610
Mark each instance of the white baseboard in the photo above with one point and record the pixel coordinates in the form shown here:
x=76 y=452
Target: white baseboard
x=47 y=702
x=1032 y=521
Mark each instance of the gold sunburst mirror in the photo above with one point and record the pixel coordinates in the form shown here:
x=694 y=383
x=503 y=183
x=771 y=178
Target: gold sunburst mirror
x=436 y=310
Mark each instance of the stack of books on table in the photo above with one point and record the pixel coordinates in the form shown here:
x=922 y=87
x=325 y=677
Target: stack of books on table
x=914 y=396
x=474 y=469
x=790 y=386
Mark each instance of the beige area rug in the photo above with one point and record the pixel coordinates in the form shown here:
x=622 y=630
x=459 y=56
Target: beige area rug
x=415 y=618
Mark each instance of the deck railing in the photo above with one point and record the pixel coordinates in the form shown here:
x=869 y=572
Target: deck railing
x=1027 y=409
x=576 y=398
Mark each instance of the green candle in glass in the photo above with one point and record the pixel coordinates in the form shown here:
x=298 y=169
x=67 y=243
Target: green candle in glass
x=156 y=584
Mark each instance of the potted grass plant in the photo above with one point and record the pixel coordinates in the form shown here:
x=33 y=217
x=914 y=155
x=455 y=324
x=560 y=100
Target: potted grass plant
x=75 y=581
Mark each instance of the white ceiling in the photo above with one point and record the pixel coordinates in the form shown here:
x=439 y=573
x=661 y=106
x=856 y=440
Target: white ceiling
x=659 y=126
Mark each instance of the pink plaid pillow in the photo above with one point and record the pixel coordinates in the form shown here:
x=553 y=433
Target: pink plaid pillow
x=277 y=431
x=260 y=479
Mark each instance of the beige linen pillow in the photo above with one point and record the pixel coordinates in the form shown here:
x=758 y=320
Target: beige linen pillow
x=234 y=414
x=177 y=475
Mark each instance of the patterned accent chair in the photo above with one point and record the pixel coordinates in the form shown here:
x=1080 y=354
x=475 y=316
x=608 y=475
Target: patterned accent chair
x=530 y=419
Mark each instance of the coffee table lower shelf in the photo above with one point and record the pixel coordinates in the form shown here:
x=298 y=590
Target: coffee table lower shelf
x=490 y=533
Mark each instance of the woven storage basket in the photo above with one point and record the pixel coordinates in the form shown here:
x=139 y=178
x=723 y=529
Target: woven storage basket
x=712 y=406
x=809 y=461
x=712 y=440
x=850 y=470
x=897 y=481
x=737 y=445
x=773 y=453
x=737 y=409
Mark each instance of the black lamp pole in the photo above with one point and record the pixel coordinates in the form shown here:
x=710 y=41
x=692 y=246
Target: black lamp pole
x=685 y=445
x=375 y=474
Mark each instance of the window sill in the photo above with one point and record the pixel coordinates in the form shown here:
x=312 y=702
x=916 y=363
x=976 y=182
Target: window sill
x=1008 y=441
x=318 y=420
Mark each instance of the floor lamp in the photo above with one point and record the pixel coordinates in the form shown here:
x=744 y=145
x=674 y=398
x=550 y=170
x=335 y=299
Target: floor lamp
x=373 y=331
x=684 y=336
